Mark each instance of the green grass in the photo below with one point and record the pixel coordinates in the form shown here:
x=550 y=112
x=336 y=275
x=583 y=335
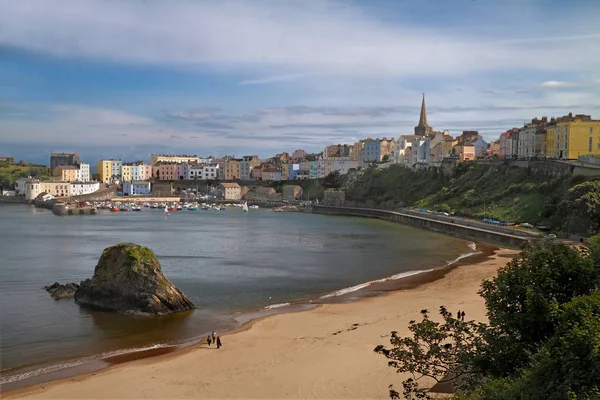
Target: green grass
x=476 y=190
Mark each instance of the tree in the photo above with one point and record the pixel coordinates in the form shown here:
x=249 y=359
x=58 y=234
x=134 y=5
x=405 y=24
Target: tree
x=536 y=333
x=333 y=180
x=385 y=158
x=523 y=302
x=443 y=352
x=581 y=207
x=566 y=367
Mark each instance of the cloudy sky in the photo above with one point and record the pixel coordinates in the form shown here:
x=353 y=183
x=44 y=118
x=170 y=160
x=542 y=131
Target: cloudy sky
x=129 y=78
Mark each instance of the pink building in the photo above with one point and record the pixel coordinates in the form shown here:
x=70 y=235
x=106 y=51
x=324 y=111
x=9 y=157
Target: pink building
x=145 y=171
x=298 y=154
x=181 y=171
x=256 y=174
x=465 y=152
x=167 y=171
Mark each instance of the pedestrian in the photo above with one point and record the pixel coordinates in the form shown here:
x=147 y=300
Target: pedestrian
x=458 y=315
x=208 y=340
x=214 y=335
x=219 y=342
x=463 y=317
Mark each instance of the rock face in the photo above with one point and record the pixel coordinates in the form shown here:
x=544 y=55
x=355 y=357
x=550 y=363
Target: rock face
x=128 y=280
x=58 y=291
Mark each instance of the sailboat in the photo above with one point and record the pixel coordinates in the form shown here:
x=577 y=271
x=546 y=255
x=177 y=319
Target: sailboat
x=245 y=207
x=166 y=211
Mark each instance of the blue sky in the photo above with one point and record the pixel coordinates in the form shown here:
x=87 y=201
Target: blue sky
x=129 y=78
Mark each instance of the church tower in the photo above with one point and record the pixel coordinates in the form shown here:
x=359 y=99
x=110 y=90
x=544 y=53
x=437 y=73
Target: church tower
x=423 y=128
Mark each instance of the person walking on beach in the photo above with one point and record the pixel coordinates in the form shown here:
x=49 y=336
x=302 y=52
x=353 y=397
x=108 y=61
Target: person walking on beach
x=208 y=340
x=214 y=336
x=458 y=315
x=219 y=342
x=463 y=317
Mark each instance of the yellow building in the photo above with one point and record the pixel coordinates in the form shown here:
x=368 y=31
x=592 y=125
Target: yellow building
x=571 y=136
x=126 y=173
x=285 y=171
x=57 y=188
x=67 y=173
x=104 y=169
x=232 y=170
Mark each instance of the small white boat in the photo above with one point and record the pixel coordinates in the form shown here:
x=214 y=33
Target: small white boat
x=166 y=210
x=254 y=206
x=245 y=207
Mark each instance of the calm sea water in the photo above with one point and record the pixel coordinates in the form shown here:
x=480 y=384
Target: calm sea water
x=226 y=262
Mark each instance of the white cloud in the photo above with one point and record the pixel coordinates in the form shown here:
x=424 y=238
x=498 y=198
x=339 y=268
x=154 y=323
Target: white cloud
x=288 y=37
x=273 y=79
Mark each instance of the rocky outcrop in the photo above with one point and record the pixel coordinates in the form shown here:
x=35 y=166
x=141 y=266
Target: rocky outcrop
x=58 y=291
x=128 y=279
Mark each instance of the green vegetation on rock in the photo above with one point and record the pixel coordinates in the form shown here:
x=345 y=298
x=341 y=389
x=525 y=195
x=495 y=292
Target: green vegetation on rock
x=10 y=173
x=481 y=190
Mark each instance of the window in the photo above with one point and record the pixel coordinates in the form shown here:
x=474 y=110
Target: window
x=592 y=129
x=590 y=145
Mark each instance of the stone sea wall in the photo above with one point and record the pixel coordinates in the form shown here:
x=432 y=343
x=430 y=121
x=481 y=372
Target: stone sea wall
x=463 y=231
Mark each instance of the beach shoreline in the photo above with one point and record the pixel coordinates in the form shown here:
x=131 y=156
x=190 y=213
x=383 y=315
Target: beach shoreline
x=488 y=260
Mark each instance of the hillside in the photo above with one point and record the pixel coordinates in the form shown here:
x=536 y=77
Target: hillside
x=10 y=173
x=493 y=191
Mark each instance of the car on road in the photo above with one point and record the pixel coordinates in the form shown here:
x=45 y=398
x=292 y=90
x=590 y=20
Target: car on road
x=550 y=237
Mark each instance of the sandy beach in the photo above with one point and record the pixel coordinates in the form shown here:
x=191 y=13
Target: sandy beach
x=326 y=352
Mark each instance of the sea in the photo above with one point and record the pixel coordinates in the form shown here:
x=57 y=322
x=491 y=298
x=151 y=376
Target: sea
x=234 y=266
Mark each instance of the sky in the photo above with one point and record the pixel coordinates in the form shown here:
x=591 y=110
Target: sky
x=124 y=79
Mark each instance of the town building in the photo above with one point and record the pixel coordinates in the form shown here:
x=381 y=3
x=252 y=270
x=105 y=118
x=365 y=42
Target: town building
x=256 y=174
x=423 y=128
x=299 y=154
x=126 y=172
x=271 y=174
x=506 y=144
x=57 y=159
x=173 y=158
x=67 y=173
x=292 y=192
x=33 y=187
x=137 y=188
x=9 y=160
x=465 y=152
x=421 y=152
x=403 y=142
x=203 y=172
x=572 y=136
x=109 y=170
x=386 y=148
x=230 y=191
x=166 y=171
x=372 y=151
x=56 y=188
x=83 y=172
x=231 y=169
x=81 y=188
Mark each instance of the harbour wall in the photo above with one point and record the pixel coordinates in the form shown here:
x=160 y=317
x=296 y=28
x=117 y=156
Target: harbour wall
x=463 y=231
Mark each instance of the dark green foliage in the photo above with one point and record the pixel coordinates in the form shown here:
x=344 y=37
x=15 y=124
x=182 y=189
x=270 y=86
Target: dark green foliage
x=476 y=190
x=581 y=207
x=524 y=300
x=442 y=351
x=542 y=340
x=332 y=181
x=566 y=367
x=10 y=173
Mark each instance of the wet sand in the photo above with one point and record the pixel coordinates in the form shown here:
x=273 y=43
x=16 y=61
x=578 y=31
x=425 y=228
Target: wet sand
x=325 y=352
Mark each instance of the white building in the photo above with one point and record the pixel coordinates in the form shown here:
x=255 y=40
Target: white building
x=33 y=187
x=137 y=188
x=83 y=173
x=81 y=188
x=20 y=185
x=203 y=171
x=344 y=164
x=403 y=142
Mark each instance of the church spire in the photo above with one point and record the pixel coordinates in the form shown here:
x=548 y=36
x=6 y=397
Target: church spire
x=423 y=128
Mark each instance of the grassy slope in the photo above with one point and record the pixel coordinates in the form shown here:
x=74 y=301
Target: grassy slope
x=506 y=194
x=10 y=173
